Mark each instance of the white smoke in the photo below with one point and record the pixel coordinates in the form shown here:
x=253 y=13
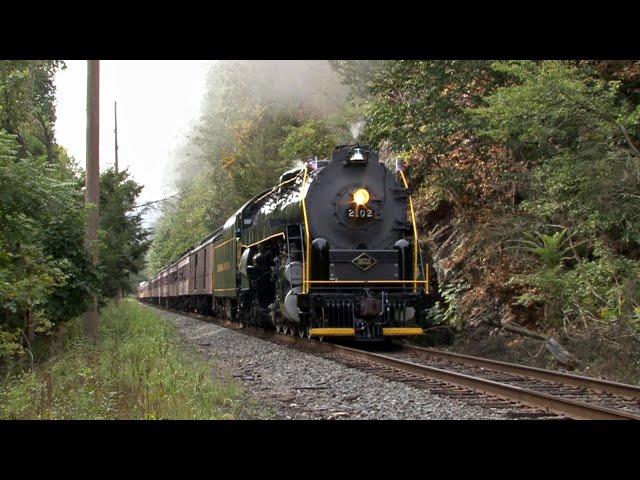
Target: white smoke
x=356 y=129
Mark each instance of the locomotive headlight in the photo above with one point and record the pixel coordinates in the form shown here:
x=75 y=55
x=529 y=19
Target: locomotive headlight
x=357 y=156
x=361 y=197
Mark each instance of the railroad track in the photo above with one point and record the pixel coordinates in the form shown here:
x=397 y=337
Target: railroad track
x=550 y=393
x=621 y=398
x=522 y=391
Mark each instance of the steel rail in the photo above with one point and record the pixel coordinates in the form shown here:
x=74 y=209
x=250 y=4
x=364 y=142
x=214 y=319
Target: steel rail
x=605 y=386
x=571 y=408
x=551 y=403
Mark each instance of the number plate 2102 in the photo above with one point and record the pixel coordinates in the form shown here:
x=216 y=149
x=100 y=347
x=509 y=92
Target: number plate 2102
x=359 y=213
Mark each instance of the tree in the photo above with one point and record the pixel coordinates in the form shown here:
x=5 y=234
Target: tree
x=45 y=276
x=249 y=111
x=123 y=240
x=416 y=105
x=312 y=138
x=27 y=95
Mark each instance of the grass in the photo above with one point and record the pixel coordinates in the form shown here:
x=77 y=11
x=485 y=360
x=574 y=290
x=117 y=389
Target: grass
x=136 y=370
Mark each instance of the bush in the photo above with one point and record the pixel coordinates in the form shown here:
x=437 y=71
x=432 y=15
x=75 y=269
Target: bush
x=599 y=294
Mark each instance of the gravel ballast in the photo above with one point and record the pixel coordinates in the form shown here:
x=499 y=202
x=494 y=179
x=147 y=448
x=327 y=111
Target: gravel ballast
x=281 y=382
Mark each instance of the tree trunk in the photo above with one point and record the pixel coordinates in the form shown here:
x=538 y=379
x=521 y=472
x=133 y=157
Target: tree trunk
x=560 y=354
x=30 y=335
x=30 y=329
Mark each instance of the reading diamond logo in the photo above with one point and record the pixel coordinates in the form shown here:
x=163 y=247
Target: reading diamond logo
x=364 y=261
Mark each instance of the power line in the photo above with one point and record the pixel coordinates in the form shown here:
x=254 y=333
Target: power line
x=157 y=201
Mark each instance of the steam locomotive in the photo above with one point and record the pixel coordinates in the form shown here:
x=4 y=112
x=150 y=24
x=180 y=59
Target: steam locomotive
x=331 y=251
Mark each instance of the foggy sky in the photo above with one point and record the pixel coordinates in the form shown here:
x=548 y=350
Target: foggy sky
x=157 y=103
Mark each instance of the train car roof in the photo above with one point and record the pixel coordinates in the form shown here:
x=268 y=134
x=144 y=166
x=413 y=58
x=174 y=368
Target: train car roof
x=211 y=238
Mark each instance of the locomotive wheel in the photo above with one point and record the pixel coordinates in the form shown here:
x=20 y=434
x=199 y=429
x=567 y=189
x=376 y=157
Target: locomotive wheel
x=302 y=331
x=293 y=329
x=285 y=329
x=278 y=328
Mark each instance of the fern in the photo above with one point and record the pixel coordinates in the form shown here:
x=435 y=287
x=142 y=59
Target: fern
x=550 y=249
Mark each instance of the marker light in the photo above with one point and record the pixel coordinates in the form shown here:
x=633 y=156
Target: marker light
x=361 y=197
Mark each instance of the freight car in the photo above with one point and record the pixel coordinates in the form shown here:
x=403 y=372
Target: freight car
x=332 y=250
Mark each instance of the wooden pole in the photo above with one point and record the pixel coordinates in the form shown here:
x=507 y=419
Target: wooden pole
x=92 y=187
x=115 y=131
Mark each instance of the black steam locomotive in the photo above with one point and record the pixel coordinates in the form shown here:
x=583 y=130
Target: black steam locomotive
x=331 y=250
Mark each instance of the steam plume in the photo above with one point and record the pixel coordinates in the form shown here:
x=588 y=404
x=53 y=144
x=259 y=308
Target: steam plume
x=356 y=129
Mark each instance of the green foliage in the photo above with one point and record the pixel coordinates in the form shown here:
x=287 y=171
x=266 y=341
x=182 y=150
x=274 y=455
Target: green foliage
x=45 y=274
x=580 y=133
x=312 y=138
x=137 y=370
x=596 y=294
x=44 y=269
x=550 y=249
x=552 y=105
x=254 y=163
x=27 y=104
x=185 y=222
x=417 y=105
x=447 y=310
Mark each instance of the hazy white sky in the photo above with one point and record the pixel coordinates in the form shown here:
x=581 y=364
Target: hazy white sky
x=157 y=102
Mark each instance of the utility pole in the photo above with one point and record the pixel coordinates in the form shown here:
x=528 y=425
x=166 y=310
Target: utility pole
x=115 y=131
x=92 y=186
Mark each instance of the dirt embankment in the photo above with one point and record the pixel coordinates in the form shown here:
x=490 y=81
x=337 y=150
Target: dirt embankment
x=468 y=229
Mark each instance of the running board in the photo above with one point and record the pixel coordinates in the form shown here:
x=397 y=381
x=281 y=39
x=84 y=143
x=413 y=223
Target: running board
x=401 y=332
x=332 y=332
x=351 y=332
